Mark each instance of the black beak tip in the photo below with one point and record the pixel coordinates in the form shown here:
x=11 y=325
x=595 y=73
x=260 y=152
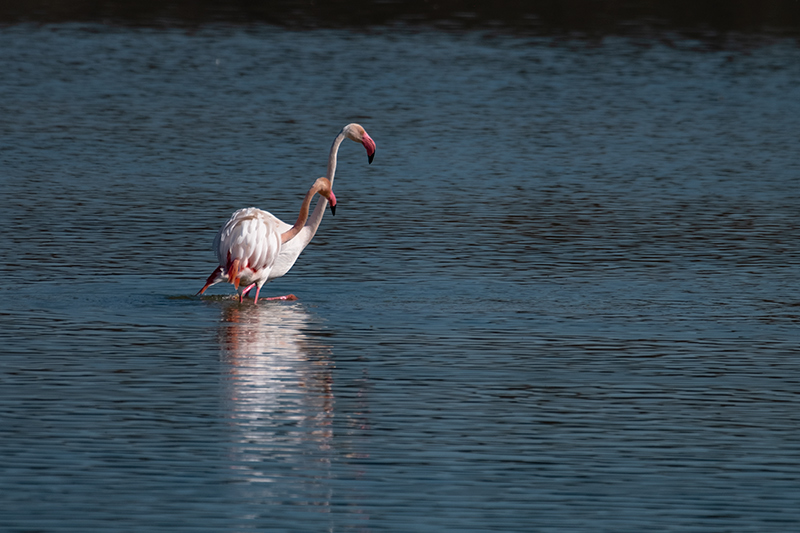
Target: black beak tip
x=333 y=210
x=371 y=157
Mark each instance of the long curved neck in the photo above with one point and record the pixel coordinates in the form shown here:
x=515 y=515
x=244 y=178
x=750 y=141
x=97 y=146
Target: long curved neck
x=332 y=156
x=319 y=210
x=303 y=216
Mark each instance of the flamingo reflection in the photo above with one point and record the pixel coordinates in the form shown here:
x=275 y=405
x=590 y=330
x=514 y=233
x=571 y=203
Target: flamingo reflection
x=277 y=392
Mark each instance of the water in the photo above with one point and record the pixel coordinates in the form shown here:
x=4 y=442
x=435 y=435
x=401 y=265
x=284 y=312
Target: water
x=563 y=297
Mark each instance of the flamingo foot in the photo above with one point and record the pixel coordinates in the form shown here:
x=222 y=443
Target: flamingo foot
x=287 y=297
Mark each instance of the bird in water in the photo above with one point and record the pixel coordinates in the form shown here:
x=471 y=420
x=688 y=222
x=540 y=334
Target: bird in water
x=254 y=246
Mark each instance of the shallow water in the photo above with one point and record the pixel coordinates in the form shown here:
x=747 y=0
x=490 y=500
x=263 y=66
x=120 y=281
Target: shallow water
x=562 y=298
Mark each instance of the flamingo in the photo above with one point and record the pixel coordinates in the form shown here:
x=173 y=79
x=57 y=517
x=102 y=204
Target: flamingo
x=254 y=246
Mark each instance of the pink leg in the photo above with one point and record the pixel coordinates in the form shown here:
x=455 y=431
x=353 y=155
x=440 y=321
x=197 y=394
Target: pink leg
x=245 y=291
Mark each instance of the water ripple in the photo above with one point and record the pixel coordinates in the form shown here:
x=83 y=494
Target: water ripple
x=564 y=296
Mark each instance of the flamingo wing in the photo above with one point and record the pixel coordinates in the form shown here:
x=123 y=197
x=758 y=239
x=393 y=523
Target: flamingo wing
x=248 y=244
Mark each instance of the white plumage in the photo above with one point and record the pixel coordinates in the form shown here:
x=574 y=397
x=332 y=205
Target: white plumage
x=254 y=237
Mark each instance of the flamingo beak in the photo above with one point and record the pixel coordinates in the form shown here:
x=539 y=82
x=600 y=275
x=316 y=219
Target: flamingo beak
x=369 y=144
x=332 y=203
x=333 y=210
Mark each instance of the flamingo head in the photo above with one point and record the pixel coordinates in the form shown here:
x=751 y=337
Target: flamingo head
x=355 y=132
x=324 y=187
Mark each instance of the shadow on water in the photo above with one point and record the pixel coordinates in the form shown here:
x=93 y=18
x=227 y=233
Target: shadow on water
x=704 y=18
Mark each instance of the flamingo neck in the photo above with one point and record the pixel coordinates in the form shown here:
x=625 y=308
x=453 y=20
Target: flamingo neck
x=303 y=216
x=332 y=156
x=319 y=210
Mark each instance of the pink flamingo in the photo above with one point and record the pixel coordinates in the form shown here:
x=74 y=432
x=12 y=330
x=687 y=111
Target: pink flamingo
x=254 y=246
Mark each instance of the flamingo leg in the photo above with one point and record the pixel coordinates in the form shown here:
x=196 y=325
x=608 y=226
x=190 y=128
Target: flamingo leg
x=245 y=291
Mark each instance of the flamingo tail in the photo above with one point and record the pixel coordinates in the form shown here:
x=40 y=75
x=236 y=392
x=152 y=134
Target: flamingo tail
x=234 y=273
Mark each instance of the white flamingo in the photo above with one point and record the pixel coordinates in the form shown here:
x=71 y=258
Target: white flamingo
x=254 y=246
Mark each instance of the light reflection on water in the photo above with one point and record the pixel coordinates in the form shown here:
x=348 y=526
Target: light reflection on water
x=276 y=390
x=289 y=460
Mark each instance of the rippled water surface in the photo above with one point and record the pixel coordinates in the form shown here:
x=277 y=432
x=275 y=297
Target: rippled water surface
x=564 y=297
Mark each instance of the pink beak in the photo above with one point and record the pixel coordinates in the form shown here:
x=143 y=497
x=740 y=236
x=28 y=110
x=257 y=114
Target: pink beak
x=369 y=144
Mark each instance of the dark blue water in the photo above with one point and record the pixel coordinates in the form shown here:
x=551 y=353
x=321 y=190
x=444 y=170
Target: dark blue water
x=563 y=297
